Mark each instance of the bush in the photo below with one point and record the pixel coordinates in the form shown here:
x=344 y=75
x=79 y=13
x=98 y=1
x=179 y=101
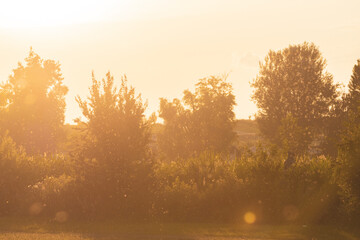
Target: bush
x=214 y=188
x=14 y=176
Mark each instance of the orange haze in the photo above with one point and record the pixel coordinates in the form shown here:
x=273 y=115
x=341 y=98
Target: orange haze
x=165 y=46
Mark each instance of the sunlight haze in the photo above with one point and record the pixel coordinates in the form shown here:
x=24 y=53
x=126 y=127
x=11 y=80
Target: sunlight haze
x=164 y=47
x=179 y=119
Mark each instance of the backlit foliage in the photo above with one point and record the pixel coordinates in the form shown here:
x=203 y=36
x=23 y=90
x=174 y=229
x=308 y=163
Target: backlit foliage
x=116 y=164
x=349 y=154
x=294 y=81
x=203 y=120
x=117 y=158
x=34 y=99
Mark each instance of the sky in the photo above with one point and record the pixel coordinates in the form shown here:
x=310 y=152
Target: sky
x=164 y=46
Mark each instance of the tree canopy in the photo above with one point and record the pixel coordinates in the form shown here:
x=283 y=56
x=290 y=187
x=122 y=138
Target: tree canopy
x=293 y=81
x=116 y=150
x=115 y=120
x=349 y=150
x=353 y=97
x=33 y=99
x=202 y=120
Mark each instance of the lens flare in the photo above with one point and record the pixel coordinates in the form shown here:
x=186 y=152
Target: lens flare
x=249 y=218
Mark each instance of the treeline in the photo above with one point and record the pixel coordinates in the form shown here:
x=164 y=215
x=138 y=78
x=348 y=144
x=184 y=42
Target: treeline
x=305 y=168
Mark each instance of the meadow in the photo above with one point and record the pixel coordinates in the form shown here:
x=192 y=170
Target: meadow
x=30 y=229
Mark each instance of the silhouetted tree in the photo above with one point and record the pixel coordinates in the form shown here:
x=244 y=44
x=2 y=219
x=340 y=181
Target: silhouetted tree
x=349 y=151
x=174 y=139
x=203 y=120
x=353 y=97
x=349 y=166
x=34 y=99
x=117 y=147
x=345 y=114
x=293 y=81
x=116 y=121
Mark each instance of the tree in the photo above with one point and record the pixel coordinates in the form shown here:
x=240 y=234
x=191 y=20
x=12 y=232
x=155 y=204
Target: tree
x=117 y=161
x=203 y=120
x=349 y=150
x=34 y=99
x=116 y=121
x=174 y=139
x=349 y=167
x=14 y=179
x=3 y=105
x=353 y=97
x=294 y=81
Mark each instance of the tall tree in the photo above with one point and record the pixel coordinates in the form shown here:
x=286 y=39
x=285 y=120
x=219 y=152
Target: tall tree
x=118 y=138
x=349 y=150
x=293 y=81
x=353 y=97
x=203 y=120
x=115 y=121
x=35 y=104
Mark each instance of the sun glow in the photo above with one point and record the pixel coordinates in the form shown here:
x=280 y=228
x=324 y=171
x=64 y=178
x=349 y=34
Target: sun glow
x=46 y=13
x=249 y=217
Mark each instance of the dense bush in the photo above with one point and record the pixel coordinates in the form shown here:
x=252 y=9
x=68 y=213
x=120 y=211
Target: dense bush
x=210 y=187
x=26 y=180
x=348 y=172
x=15 y=175
x=213 y=187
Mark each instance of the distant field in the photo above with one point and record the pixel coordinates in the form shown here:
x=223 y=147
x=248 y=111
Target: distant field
x=247 y=131
x=241 y=125
x=11 y=229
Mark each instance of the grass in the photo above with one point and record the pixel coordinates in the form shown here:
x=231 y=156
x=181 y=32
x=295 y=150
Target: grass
x=27 y=229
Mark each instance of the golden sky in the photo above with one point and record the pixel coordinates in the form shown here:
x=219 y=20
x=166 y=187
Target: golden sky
x=165 y=46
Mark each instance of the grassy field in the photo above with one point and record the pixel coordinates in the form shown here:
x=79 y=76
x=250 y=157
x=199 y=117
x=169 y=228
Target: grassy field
x=15 y=229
